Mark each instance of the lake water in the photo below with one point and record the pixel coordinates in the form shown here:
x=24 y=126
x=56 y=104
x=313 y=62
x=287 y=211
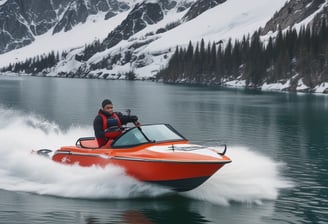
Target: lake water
x=278 y=143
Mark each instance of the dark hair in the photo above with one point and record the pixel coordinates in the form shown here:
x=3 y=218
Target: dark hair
x=105 y=102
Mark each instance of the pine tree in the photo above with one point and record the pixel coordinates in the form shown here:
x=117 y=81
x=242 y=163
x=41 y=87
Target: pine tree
x=196 y=64
x=212 y=60
x=188 y=66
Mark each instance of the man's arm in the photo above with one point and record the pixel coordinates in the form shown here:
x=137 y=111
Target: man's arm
x=97 y=126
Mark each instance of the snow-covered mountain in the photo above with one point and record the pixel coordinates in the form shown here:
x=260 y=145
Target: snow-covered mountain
x=108 y=38
x=22 y=22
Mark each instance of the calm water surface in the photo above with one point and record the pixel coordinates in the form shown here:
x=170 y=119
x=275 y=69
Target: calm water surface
x=289 y=129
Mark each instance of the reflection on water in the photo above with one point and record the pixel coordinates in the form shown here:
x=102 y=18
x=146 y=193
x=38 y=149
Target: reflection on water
x=36 y=209
x=175 y=210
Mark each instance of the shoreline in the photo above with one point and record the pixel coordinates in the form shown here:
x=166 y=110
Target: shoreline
x=321 y=89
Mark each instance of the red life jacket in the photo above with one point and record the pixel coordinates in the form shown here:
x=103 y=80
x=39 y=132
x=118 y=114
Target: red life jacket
x=112 y=134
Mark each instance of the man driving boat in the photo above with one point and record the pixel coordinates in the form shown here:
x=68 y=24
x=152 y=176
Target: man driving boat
x=108 y=124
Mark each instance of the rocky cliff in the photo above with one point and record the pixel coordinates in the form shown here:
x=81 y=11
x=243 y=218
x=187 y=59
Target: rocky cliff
x=295 y=12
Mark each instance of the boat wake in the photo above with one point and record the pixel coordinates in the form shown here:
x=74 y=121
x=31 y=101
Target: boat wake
x=249 y=178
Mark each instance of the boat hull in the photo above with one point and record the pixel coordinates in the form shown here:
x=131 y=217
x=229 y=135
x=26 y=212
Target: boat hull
x=177 y=175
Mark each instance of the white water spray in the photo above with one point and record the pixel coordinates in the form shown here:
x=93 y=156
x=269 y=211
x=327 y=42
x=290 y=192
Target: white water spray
x=22 y=171
x=250 y=178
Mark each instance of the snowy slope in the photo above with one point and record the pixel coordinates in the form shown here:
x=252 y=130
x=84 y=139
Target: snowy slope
x=95 y=28
x=232 y=19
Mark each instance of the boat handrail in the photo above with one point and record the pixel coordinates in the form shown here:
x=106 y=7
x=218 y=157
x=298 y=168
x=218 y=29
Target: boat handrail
x=79 y=142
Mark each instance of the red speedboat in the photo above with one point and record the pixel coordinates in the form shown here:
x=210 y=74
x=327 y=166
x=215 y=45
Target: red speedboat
x=154 y=153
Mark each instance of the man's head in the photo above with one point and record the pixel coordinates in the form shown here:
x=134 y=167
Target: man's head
x=107 y=106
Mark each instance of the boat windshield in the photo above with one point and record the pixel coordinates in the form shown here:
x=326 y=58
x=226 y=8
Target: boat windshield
x=148 y=133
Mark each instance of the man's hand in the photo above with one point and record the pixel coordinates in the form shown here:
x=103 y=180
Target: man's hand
x=133 y=118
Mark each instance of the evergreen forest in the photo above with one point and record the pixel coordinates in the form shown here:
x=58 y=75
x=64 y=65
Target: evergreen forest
x=36 y=64
x=289 y=55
